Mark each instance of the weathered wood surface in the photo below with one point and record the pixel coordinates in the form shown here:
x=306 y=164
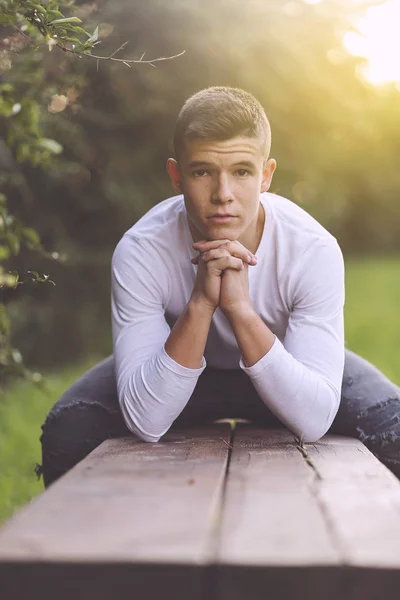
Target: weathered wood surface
x=129 y=503
x=184 y=519
x=326 y=527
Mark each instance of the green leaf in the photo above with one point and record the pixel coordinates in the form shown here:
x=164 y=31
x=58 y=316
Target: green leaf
x=74 y=40
x=17 y=356
x=80 y=30
x=14 y=275
x=95 y=36
x=4 y=253
x=35 y=275
x=31 y=235
x=4 y=324
x=23 y=152
x=40 y=9
x=51 y=145
x=55 y=13
x=7 y=19
x=6 y=87
x=47 y=278
x=16 y=108
x=81 y=48
x=13 y=243
x=66 y=20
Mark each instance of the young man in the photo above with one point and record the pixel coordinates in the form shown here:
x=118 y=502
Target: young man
x=227 y=301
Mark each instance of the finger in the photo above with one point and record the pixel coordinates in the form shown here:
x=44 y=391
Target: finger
x=214 y=253
x=196 y=260
x=226 y=262
x=239 y=251
x=235 y=248
x=200 y=242
x=210 y=255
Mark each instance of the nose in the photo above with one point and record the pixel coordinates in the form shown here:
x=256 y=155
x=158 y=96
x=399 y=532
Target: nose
x=222 y=191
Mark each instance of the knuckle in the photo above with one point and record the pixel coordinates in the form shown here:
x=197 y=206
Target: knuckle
x=236 y=249
x=220 y=253
x=229 y=246
x=234 y=262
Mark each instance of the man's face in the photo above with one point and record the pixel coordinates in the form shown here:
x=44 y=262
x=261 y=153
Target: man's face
x=221 y=183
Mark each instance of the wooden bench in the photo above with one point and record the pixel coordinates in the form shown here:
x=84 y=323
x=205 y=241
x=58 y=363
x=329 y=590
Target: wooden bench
x=211 y=513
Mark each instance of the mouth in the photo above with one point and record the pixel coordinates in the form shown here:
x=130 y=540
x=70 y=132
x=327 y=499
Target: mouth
x=221 y=218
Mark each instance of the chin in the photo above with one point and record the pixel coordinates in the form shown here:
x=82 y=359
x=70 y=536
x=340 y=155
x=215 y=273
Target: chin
x=223 y=233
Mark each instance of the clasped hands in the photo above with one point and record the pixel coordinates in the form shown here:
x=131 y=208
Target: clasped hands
x=222 y=275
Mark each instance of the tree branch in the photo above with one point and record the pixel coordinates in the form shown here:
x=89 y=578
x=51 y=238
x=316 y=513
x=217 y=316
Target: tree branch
x=125 y=61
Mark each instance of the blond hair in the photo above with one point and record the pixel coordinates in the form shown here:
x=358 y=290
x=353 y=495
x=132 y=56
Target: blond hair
x=221 y=113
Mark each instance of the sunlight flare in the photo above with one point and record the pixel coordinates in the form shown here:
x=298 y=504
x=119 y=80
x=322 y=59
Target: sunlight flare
x=377 y=39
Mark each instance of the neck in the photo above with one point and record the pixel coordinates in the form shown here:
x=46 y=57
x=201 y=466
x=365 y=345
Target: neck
x=251 y=238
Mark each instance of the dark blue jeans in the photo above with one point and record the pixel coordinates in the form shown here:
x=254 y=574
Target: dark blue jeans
x=88 y=412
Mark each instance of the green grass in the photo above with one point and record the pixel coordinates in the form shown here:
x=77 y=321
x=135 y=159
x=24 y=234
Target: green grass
x=23 y=409
x=372 y=312
x=372 y=324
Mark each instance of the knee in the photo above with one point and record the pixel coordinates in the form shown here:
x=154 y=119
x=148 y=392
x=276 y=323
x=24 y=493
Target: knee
x=379 y=429
x=62 y=445
x=361 y=379
x=71 y=432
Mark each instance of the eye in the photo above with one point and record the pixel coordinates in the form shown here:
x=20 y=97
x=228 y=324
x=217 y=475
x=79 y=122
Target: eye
x=243 y=172
x=199 y=173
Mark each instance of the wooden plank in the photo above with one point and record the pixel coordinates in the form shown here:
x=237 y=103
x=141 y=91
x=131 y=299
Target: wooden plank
x=145 y=511
x=361 y=500
x=287 y=530
x=271 y=516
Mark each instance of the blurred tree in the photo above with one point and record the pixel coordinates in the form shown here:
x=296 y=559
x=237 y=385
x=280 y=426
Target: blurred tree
x=333 y=137
x=28 y=100
x=23 y=141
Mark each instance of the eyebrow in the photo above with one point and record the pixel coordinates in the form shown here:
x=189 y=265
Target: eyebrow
x=203 y=163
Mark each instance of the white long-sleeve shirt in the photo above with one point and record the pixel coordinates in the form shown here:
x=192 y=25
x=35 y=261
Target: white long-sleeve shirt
x=297 y=288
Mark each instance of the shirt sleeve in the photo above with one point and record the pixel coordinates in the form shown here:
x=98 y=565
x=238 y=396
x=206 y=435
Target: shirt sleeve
x=300 y=380
x=152 y=388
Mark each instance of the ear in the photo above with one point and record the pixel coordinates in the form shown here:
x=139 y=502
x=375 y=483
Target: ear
x=174 y=174
x=268 y=171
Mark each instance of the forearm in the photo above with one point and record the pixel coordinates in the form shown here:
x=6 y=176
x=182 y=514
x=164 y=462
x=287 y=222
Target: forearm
x=253 y=336
x=301 y=398
x=156 y=392
x=187 y=340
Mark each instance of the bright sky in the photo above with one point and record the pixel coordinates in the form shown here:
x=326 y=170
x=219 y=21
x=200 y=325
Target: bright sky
x=377 y=38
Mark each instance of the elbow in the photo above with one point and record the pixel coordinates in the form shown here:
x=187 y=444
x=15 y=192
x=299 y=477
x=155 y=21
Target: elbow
x=133 y=426
x=145 y=437
x=312 y=436
x=313 y=432
x=310 y=433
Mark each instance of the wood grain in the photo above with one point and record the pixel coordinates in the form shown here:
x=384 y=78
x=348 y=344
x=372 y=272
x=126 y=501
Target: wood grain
x=360 y=499
x=325 y=528
x=271 y=515
x=185 y=519
x=128 y=503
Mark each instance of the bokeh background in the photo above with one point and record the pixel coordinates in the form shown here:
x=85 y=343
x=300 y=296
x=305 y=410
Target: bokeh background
x=328 y=75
